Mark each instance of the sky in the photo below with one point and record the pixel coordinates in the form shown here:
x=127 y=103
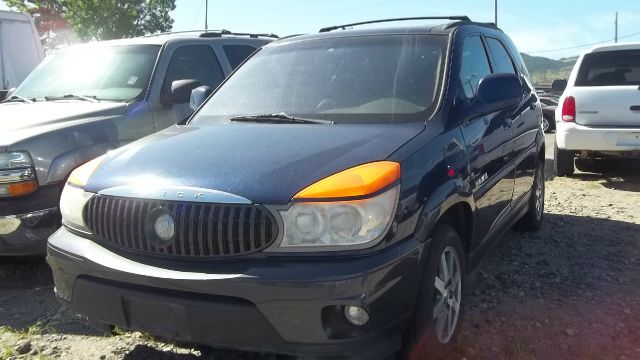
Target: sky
x=535 y=26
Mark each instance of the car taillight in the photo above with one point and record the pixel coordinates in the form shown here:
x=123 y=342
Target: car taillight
x=569 y=109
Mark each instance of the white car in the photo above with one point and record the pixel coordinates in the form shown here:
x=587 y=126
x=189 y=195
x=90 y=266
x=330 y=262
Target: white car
x=599 y=112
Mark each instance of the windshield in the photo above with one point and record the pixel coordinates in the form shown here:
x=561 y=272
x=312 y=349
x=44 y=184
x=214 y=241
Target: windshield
x=610 y=68
x=351 y=79
x=117 y=73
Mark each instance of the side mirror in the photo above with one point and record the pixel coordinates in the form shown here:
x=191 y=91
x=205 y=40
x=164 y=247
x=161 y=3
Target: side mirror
x=559 y=86
x=198 y=96
x=497 y=92
x=181 y=91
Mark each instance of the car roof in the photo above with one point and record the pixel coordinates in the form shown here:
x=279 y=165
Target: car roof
x=438 y=29
x=197 y=35
x=614 y=47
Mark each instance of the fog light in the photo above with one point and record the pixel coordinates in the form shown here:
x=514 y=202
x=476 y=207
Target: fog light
x=356 y=315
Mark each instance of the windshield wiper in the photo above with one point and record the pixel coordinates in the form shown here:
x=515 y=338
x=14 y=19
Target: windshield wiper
x=279 y=118
x=19 y=98
x=92 y=99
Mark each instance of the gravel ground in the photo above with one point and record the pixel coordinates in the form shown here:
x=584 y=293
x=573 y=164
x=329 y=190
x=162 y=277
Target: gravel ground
x=570 y=291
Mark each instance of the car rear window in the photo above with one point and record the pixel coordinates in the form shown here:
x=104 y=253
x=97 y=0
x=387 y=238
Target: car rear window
x=610 y=68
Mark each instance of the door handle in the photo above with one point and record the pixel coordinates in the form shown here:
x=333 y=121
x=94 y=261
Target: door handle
x=635 y=108
x=508 y=122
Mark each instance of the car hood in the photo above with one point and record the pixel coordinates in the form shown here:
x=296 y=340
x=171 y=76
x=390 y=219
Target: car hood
x=264 y=163
x=19 y=121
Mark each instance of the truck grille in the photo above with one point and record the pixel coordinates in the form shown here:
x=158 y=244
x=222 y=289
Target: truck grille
x=201 y=230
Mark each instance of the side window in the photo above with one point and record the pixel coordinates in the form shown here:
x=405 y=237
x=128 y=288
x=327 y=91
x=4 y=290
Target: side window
x=197 y=62
x=501 y=57
x=475 y=65
x=237 y=53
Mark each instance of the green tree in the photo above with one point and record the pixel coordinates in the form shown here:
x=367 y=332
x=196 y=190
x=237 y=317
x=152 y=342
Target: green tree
x=102 y=19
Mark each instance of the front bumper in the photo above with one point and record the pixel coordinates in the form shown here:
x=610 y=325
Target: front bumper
x=282 y=305
x=572 y=136
x=27 y=234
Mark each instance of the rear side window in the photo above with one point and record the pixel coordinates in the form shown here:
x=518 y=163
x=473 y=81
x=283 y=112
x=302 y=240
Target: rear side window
x=610 y=68
x=197 y=62
x=475 y=65
x=237 y=53
x=501 y=57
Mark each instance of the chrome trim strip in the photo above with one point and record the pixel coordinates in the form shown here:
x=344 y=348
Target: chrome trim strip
x=176 y=193
x=87 y=249
x=15 y=176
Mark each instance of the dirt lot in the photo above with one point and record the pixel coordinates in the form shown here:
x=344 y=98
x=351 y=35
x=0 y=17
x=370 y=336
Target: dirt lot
x=570 y=291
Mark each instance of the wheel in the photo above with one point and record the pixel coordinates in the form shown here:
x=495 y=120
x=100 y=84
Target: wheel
x=532 y=220
x=438 y=311
x=563 y=163
x=546 y=125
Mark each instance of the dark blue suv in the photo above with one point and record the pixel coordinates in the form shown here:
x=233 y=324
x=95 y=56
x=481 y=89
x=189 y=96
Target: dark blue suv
x=330 y=198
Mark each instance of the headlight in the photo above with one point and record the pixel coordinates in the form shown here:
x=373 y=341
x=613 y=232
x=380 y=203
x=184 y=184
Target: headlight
x=17 y=176
x=74 y=198
x=351 y=209
x=340 y=223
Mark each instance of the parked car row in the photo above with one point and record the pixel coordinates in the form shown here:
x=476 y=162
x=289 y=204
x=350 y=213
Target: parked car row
x=329 y=198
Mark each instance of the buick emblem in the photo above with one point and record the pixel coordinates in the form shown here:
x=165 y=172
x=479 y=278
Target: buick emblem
x=165 y=227
x=160 y=227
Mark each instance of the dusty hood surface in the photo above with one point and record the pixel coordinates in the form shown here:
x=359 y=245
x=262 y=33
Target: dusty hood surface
x=19 y=121
x=265 y=163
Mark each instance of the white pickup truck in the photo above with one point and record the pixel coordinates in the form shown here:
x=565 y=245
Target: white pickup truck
x=599 y=112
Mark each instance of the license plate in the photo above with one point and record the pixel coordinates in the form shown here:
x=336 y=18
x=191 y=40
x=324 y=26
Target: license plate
x=630 y=139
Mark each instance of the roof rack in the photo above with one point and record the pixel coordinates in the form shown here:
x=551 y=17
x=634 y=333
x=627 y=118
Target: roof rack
x=344 y=27
x=227 y=32
x=212 y=33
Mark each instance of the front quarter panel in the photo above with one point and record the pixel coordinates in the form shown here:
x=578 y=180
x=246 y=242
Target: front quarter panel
x=56 y=153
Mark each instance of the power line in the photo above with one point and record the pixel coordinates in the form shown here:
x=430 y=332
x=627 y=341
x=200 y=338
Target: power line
x=193 y=23
x=581 y=46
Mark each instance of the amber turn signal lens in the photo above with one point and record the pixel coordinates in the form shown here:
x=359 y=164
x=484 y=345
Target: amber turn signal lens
x=23 y=188
x=357 y=181
x=81 y=175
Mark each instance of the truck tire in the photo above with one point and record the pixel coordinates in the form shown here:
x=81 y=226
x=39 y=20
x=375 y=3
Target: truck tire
x=563 y=164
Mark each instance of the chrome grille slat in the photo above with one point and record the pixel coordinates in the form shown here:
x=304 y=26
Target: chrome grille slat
x=202 y=230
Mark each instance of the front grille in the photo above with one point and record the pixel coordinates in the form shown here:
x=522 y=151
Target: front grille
x=201 y=230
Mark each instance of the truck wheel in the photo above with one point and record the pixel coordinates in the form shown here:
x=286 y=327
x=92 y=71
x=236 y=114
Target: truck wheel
x=563 y=165
x=435 y=327
x=532 y=220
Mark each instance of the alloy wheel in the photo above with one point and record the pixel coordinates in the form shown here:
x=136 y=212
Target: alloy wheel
x=448 y=285
x=545 y=124
x=539 y=193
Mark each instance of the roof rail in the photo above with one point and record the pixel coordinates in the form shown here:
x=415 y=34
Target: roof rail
x=336 y=27
x=212 y=33
x=227 y=32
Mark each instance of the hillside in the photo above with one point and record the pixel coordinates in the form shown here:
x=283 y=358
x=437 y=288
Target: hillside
x=544 y=70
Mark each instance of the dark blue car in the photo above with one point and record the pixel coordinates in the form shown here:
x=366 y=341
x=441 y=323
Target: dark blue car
x=330 y=198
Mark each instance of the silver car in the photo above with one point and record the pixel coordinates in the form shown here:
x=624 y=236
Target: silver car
x=88 y=99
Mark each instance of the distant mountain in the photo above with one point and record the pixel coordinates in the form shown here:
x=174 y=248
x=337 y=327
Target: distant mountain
x=544 y=70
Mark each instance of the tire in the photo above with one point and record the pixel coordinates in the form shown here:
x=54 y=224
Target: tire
x=546 y=124
x=563 y=164
x=429 y=337
x=532 y=220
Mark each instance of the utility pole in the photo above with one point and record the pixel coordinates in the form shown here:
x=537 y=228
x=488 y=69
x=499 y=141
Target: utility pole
x=616 y=27
x=495 y=12
x=206 y=15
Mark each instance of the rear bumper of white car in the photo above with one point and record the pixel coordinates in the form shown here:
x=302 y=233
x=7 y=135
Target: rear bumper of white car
x=571 y=136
